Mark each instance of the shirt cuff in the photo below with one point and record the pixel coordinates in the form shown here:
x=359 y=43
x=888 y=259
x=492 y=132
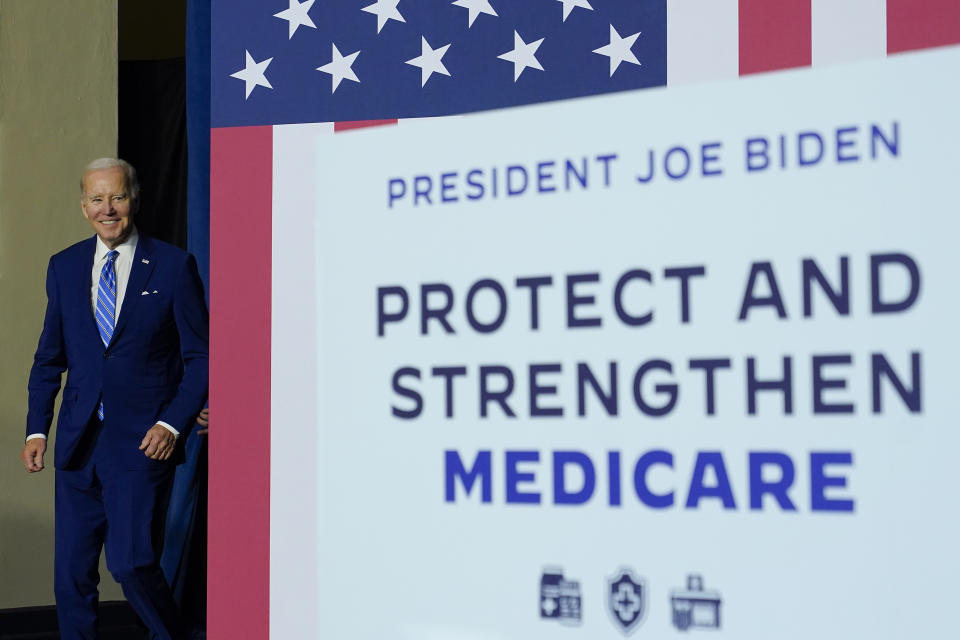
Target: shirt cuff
x=168 y=428
x=34 y=436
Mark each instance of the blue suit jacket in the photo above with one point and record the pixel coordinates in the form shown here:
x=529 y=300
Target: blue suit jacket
x=155 y=367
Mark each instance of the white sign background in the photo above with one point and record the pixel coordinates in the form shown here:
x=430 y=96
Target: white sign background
x=394 y=560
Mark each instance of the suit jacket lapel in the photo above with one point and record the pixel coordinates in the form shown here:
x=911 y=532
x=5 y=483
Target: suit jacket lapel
x=140 y=272
x=84 y=287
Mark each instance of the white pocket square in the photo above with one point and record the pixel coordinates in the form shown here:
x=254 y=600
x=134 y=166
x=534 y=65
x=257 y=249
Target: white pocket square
x=146 y=293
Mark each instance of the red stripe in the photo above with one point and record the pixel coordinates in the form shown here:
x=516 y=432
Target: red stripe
x=774 y=34
x=240 y=222
x=359 y=124
x=919 y=24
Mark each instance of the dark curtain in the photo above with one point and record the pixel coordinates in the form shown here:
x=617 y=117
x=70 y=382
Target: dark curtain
x=164 y=131
x=184 y=559
x=153 y=138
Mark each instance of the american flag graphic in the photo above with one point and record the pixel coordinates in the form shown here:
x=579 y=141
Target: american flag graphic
x=292 y=61
x=352 y=63
x=322 y=61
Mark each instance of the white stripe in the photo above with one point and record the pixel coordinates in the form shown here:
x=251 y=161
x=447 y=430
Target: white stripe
x=703 y=40
x=294 y=531
x=845 y=30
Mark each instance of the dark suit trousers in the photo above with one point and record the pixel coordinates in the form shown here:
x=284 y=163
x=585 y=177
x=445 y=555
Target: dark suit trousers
x=97 y=505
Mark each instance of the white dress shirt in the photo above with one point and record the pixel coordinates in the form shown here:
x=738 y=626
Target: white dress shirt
x=121 y=266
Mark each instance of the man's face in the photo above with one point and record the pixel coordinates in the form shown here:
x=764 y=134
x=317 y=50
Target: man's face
x=106 y=205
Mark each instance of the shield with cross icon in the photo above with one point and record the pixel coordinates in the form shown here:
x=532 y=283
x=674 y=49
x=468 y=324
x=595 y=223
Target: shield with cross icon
x=626 y=599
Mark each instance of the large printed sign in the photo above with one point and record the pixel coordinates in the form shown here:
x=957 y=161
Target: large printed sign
x=644 y=364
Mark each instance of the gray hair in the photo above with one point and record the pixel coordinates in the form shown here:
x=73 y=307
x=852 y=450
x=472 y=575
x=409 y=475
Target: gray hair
x=133 y=185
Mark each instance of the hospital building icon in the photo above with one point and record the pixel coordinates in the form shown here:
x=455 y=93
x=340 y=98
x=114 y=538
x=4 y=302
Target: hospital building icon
x=560 y=598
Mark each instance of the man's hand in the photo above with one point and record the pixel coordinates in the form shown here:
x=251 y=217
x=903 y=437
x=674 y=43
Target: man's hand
x=204 y=421
x=32 y=454
x=159 y=442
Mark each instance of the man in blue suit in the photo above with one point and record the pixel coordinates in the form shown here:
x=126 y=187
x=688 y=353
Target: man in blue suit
x=127 y=321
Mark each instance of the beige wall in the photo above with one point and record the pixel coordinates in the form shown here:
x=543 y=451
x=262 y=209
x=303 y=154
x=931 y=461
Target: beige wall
x=58 y=110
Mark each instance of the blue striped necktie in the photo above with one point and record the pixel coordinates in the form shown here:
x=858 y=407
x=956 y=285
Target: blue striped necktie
x=106 y=311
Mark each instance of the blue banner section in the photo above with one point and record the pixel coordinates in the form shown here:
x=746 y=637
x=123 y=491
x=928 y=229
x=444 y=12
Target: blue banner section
x=293 y=61
x=198 y=136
